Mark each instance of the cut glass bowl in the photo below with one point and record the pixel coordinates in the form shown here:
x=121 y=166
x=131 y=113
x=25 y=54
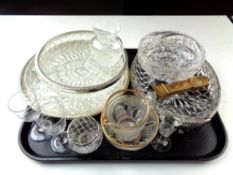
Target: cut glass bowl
x=170 y=56
x=64 y=71
x=198 y=107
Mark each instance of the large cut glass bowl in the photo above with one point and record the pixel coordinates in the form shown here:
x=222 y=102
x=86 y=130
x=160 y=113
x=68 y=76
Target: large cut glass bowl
x=166 y=57
x=65 y=71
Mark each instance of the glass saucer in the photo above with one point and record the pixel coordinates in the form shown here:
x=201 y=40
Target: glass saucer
x=148 y=133
x=77 y=104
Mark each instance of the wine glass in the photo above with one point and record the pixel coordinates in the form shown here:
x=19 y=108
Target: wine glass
x=22 y=104
x=26 y=107
x=54 y=125
x=168 y=125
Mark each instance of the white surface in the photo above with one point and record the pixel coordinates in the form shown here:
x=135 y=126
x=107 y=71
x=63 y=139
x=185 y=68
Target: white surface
x=22 y=36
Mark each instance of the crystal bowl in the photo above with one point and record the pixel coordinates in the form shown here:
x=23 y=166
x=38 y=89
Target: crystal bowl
x=170 y=56
x=197 y=107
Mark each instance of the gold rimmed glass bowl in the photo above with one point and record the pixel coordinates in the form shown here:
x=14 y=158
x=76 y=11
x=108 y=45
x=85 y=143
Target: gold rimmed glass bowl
x=128 y=121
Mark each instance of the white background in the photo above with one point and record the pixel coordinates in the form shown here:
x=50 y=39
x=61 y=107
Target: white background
x=22 y=36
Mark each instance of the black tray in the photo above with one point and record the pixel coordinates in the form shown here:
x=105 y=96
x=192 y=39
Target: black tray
x=205 y=142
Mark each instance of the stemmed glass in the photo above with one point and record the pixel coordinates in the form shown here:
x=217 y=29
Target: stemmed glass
x=26 y=107
x=54 y=126
x=23 y=110
x=168 y=125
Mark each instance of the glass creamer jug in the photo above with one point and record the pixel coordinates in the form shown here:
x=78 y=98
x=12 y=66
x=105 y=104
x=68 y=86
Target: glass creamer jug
x=107 y=48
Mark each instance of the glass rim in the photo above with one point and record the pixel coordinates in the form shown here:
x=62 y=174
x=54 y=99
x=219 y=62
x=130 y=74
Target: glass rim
x=60 y=118
x=22 y=94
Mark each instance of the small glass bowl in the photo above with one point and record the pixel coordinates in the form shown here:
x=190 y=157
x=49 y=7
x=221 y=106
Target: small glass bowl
x=148 y=133
x=126 y=117
x=126 y=112
x=84 y=135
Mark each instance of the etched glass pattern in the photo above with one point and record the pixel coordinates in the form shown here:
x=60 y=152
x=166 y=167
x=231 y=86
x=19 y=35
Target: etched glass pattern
x=84 y=135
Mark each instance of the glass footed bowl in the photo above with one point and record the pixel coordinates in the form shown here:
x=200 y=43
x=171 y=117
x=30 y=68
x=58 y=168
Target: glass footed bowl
x=80 y=96
x=170 y=56
x=197 y=107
